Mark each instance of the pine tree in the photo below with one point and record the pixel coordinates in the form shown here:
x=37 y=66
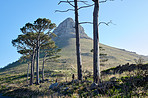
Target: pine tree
x=25 y=44
x=33 y=37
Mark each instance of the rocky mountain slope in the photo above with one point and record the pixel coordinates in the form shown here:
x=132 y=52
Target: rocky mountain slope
x=66 y=29
x=66 y=41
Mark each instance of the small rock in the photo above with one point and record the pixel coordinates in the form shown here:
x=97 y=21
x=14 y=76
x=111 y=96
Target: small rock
x=93 y=86
x=53 y=86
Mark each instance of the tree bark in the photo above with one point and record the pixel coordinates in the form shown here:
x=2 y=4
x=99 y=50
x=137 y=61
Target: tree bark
x=37 y=61
x=31 y=76
x=79 y=64
x=34 y=63
x=96 y=59
x=32 y=72
x=43 y=70
x=28 y=73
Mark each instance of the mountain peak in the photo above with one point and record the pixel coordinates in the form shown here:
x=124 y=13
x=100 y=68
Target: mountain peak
x=68 y=19
x=66 y=29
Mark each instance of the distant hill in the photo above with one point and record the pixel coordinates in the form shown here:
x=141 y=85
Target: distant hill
x=66 y=41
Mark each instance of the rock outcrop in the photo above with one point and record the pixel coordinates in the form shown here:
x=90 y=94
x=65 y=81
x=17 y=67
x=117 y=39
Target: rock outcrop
x=66 y=29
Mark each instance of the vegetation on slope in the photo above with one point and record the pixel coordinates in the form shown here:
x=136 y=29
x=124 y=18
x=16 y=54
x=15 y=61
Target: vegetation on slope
x=117 y=85
x=13 y=77
x=68 y=59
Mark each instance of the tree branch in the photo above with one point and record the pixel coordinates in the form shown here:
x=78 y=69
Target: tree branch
x=65 y=10
x=66 y=2
x=71 y=1
x=110 y=22
x=105 y=1
x=85 y=3
x=88 y=5
x=85 y=6
x=85 y=22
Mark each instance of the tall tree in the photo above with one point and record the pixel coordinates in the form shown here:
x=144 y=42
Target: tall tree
x=78 y=50
x=79 y=63
x=96 y=59
x=40 y=28
x=25 y=44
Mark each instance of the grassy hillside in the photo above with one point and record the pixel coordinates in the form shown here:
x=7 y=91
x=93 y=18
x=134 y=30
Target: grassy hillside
x=13 y=77
x=115 y=56
x=117 y=81
x=66 y=41
x=68 y=57
x=127 y=81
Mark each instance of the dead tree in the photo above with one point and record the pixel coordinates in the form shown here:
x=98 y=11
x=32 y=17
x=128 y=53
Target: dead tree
x=79 y=63
x=78 y=51
x=96 y=59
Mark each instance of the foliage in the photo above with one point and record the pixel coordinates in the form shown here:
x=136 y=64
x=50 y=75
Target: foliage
x=139 y=61
x=129 y=85
x=103 y=56
x=34 y=37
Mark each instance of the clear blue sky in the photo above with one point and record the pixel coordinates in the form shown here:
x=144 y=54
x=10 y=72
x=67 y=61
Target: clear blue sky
x=130 y=17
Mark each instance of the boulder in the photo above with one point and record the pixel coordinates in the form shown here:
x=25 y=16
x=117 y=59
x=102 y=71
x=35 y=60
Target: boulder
x=53 y=86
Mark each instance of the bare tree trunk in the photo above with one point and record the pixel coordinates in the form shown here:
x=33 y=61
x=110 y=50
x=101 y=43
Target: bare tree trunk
x=43 y=69
x=37 y=61
x=32 y=72
x=34 y=63
x=96 y=61
x=31 y=76
x=79 y=63
x=28 y=73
